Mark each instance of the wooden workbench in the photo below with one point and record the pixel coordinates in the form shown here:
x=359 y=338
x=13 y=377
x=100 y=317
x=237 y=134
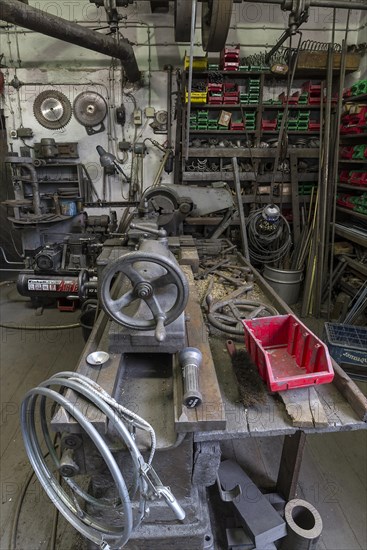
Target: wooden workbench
x=343 y=407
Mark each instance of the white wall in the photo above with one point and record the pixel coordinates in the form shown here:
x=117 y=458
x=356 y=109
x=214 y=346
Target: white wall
x=43 y=63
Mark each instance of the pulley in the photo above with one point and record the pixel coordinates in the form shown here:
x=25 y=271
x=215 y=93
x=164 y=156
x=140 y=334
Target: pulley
x=183 y=14
x=215 y=22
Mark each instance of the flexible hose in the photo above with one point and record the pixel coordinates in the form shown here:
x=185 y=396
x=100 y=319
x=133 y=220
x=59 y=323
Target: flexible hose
x=123 y=421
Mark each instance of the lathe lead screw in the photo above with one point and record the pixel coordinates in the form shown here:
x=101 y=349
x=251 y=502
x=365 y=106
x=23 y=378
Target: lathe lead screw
x=190 y=359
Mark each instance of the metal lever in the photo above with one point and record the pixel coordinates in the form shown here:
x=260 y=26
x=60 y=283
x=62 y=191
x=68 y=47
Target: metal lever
x=158 y=232
x=172 y=502
x=190 y=360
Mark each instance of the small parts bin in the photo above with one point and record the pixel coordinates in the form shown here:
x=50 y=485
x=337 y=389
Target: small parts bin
x=286 y=353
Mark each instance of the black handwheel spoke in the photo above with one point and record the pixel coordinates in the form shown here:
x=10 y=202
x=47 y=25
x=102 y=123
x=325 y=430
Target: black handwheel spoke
x=133 y=275
x=154 y=307
x=123 y=301
x=163 y=280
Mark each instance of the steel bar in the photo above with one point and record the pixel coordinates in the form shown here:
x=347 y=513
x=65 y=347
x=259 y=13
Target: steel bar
x=169 y=69
x=290 y=464
x=323 y=199
x=193 y=23
x=241 y=212
x=338 y=4
x=57 y=27
x=336 y=158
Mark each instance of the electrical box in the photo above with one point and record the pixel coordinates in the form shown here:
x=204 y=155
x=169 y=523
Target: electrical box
x=138 y=117
x=24 y=133
x=149 y=112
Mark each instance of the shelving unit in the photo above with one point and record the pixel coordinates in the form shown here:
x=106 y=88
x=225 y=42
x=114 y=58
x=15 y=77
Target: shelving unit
x=221 y=145
x=350 y=224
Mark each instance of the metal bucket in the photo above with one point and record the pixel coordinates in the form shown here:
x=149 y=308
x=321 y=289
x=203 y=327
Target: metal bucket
x=287 y=284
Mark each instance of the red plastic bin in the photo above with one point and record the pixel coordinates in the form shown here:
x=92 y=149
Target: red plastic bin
x=287 y=354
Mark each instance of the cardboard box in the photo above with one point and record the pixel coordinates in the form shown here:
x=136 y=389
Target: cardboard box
x=225 y=118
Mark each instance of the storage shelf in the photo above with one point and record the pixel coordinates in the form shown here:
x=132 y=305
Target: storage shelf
x=354 y=236
x=293 y=132
x=355 y=99
x=353 y=187
x=353 y=136
x=238 y=106
x=353 y=161
x=245 y=152
x=230 y=73
x=225 y=132
x=264 y=179
x=223 y=106
x=352 y=213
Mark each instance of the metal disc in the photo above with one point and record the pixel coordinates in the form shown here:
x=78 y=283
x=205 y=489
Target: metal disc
x=215 y=22
x=52 y=109
x=90 y=108
x=97 y=358
x=183 y=14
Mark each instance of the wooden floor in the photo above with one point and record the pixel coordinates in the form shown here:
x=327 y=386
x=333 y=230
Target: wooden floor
x=333 y=475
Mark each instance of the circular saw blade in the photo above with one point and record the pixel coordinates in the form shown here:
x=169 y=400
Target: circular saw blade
x=90 y=109
x=52 y=109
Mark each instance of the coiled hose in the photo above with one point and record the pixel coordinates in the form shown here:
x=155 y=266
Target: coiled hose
x=267 y=247
x=145 y=480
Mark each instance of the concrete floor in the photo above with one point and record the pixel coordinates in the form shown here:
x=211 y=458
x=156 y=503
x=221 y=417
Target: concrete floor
x=333 y=475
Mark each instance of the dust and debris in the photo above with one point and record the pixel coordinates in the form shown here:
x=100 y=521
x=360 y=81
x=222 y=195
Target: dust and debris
x=251 y=388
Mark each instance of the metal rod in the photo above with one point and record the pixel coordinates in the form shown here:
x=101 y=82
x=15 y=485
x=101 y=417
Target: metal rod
x=323 y=204
x=169 y=69
x=57 y=27
x=342 y=4
x=343 y=62
x=241 y=212
x=193 y=22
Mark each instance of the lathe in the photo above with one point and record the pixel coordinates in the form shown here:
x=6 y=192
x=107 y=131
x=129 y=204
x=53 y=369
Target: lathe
x=145 y=382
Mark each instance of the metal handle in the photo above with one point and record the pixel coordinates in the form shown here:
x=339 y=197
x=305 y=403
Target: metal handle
x=190 y=359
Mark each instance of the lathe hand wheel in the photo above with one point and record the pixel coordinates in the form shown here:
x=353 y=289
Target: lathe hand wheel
x=165 y=295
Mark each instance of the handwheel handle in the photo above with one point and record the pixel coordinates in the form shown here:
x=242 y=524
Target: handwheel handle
x=160 y=331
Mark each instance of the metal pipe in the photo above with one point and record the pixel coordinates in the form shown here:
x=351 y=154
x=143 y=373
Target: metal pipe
x=323 y=204
x=241 y=212
x=169 y=69
x=57 y=27
x=334 y=185
x=188 y=115
x=8 y=261
x=35 y=188
x=321 y=4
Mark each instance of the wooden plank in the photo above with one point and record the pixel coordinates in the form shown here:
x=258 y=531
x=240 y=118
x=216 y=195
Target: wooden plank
x=210 y=414
x=304 y=407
